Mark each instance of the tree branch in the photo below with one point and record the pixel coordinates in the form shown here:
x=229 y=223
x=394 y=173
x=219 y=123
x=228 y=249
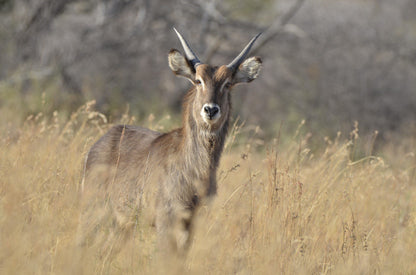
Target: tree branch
x=278 y=26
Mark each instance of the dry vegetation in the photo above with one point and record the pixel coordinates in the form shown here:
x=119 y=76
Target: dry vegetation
x=281 y=208
x=295 y=204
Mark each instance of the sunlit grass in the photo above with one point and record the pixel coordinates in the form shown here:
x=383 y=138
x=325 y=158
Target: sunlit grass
x=281 y=208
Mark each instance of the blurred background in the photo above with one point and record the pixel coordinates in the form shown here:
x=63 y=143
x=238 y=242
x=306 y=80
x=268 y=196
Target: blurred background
x=330 y=62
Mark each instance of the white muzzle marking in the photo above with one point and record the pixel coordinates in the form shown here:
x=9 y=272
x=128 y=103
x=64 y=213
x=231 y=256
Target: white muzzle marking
x=210 y=113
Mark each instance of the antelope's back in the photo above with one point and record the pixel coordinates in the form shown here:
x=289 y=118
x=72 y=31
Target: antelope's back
x=119 y=143
x=121 y=153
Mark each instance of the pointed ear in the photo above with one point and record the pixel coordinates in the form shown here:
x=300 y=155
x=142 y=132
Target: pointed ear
x=248 y=70
x=180 y=65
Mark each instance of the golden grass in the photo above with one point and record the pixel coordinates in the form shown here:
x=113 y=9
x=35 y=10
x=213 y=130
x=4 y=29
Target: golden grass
x=279 y=210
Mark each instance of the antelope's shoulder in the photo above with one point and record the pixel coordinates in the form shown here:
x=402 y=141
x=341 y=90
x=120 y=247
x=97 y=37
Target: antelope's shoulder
x=168 y=143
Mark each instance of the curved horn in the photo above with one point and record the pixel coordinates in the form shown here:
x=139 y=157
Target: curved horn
x=190 y=55
x=240 y=58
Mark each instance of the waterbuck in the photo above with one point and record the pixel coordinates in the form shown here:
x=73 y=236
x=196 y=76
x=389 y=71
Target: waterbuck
x=132 y=172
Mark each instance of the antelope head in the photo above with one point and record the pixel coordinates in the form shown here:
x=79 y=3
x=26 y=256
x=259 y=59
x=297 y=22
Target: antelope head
x=212 y=85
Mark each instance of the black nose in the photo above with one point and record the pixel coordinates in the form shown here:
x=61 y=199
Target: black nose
x=211 y=111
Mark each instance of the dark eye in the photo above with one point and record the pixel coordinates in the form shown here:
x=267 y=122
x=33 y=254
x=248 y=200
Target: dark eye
x=197 y=82
x=227 y=85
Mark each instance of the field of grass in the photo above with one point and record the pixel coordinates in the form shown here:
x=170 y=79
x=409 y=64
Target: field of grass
x=281 y=207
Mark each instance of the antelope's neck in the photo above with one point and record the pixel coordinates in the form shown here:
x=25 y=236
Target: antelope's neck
x=206 y=144
x=202 y=151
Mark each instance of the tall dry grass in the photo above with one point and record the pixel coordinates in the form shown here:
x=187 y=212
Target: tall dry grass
x=280 y=208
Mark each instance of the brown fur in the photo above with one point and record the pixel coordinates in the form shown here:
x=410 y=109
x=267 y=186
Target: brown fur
x=133 y=172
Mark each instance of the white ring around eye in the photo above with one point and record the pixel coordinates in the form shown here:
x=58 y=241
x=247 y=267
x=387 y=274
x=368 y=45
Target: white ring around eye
x=199 y=82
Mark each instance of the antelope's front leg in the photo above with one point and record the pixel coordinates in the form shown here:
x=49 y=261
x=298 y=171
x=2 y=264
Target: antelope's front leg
x=182 y=233
x=174 y=229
